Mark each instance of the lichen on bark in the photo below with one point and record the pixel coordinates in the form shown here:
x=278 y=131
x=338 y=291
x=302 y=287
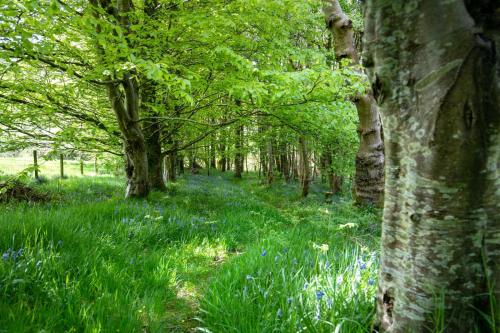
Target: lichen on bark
x=434 y=68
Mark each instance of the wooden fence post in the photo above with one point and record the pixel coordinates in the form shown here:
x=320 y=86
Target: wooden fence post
x=81 y=166
x=95 y=165
x=35 y=163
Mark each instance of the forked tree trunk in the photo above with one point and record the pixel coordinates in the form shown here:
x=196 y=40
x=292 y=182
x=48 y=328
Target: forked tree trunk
x=435 y=71
x=305 y=167
x=127 y=114
x=369 y=176
x=126 y=108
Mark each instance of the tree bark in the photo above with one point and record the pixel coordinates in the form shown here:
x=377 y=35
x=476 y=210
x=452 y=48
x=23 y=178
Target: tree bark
x=434 y=68
x=285 y=165
x=152 y=132
x=239 y=158
x=305 y=167
x=127 y=114
x=126 y=108
x=369 y=177
x=270 y=162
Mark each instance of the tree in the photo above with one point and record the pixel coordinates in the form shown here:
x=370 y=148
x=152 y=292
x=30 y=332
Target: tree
x=434 y=69
x=369 y=176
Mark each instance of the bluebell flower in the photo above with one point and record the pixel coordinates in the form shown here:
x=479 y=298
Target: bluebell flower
x=38 y=264
x=306 y=285
x=249 y=277
x=279 y=313
x=371 y=282
x=319 y=295
x=289 y=300
x=5 y=256
x=285 y=250
x=318 y=313
x=264 y=253
x=328 y=264
x=60 y=243
x=294 y=261
x=362 y=266
x=329 y=302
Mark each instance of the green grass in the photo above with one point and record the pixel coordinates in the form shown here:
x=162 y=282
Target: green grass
x=48 y=169
x=212 y=254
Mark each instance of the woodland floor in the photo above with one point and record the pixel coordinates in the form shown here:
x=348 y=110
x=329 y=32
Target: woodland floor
x=212 y=254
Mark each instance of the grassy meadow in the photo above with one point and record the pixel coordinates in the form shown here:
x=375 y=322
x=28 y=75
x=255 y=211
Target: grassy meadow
x=210 y=255
x=48 y=169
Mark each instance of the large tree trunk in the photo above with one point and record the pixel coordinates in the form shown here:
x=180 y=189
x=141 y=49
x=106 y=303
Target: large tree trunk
x=239 y=158
x=369 y=177
x=305 y=167
x=155 y=156
x=435 y=73
x=127 y=114
x=152 y=132
x=126 y=108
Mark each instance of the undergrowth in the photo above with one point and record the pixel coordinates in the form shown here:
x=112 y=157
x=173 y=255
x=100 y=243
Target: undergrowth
x=211 y=254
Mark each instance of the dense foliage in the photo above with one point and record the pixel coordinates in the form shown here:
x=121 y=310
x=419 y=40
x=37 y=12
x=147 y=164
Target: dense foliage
x=203 y=68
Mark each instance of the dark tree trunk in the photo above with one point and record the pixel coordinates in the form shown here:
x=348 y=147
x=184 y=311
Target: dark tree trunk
x=270 y=160
x=285 y=165
x=239 y=158
x=180 y=159
x=155 y=156
x=295 y=169
x=369 y=177
x=434 y=67
x=152 y=132
x=222 y=161
x=305 y=167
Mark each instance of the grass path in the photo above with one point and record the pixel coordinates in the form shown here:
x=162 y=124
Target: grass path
x=94 y=262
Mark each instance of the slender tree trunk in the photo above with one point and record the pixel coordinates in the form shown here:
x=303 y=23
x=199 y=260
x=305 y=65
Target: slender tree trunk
x=35 y=164
x=295 y=169
x=222 y=161
x=434 y=68
x=305 y=167
x=239 y=158
x=270 y=160
x=285 y=165
x=180 y=159
x=369 y=178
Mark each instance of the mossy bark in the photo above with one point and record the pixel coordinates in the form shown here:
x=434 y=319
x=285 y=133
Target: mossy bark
x=434 y=68
x=368 y=184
